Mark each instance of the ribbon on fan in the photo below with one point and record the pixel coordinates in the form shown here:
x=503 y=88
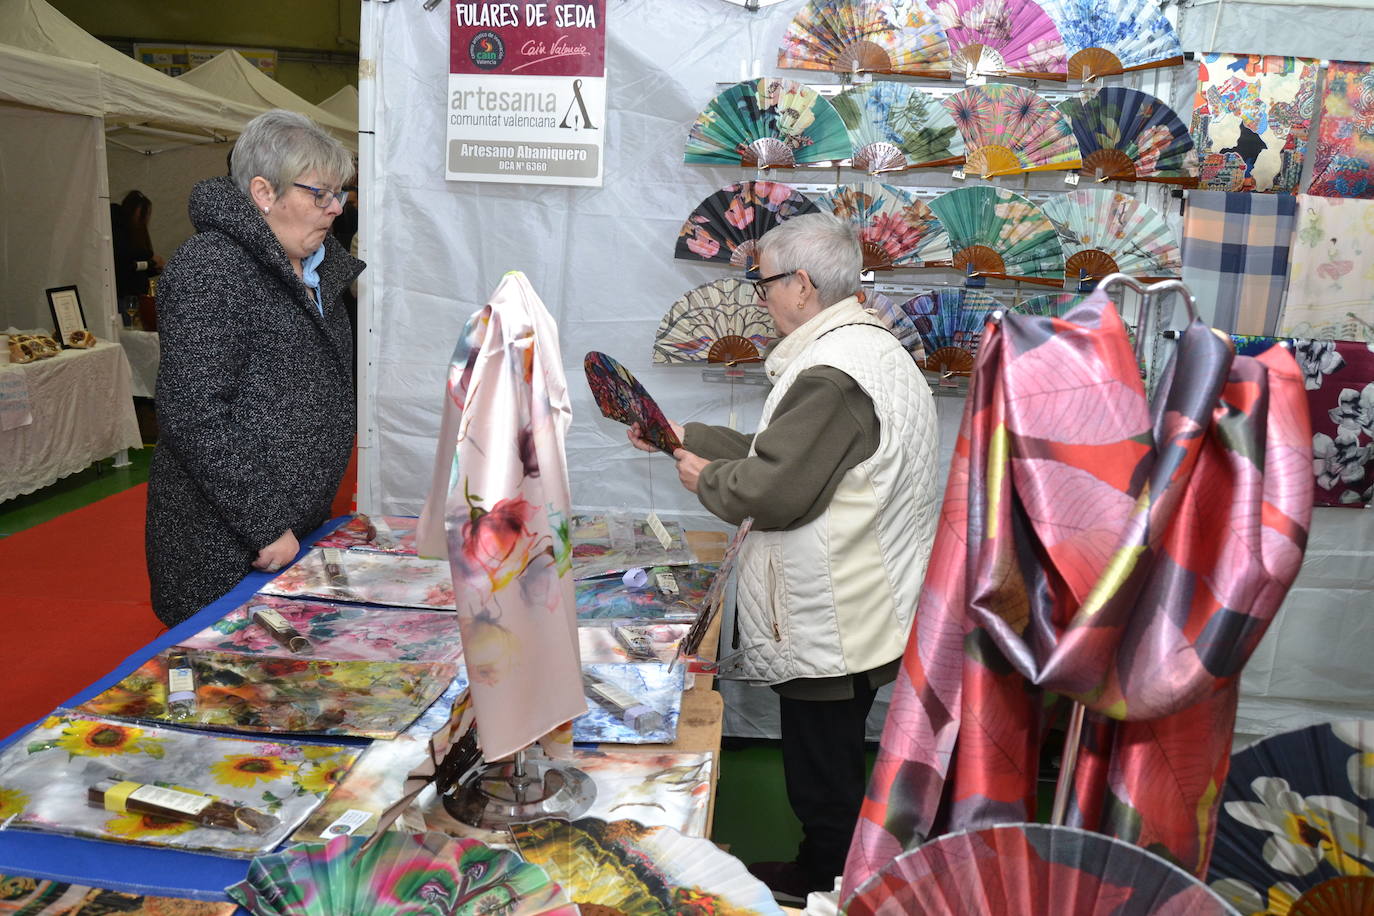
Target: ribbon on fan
x=1126 y=555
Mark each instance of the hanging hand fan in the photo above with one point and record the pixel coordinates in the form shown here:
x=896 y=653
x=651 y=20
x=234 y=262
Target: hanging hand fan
x=725 y=227
x=765 y=123
x=1008 y=130
x=715 y=595
x=1131 y=136
x=895 y=228
x=866 y=36
x=621 y=397
x=894 y=126
x=1003 y=38
x=1054 y=305
x=898 y=322
x=1106 y=232
x=718 y=322
x=401 y=873
x=1105 y=37
x=1293 y=833
x=950 y=322
x=625 y=868
x=1033 y=870
x=1000 y=234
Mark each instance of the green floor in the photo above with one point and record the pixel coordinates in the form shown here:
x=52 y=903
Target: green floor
x=95 y=483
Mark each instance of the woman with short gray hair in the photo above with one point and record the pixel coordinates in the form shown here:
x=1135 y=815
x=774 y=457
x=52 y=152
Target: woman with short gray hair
x=255 y=384
x=841 y=481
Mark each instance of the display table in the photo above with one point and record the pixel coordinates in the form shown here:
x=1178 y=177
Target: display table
x=82 y=411
x=143 y=351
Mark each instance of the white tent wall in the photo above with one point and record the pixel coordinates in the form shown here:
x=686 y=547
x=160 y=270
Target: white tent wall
x=167 y=178
x=602 y=261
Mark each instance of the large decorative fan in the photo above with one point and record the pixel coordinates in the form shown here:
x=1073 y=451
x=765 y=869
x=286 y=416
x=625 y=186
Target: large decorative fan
x=400 y=873
x=1003 y=38
x=1130 y=135
x=620 y=397
x=625 y=868
x=718 y=322
x=765 y=123
x=891 y=313
x=1033 y=870
x=1054 y=305
x=895 y=126
x=876 y=36
x=1010 y=129
x=1104 y=37
x=715 y=595
x=1294 y=832
x=1106 y=232
x=725 y=227
x=995 y=233
x=950 y=322
x=895 y=228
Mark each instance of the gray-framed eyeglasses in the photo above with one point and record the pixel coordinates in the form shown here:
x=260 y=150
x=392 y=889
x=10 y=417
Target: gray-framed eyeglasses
x=323 y=196
x=761 y=286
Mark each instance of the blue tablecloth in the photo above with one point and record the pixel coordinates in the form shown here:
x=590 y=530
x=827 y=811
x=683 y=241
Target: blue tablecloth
x=129 y=868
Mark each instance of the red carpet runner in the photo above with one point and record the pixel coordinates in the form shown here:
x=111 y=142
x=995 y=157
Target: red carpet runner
x=75 y=603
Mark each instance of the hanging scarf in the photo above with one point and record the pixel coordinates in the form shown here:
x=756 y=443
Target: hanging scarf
x=1129 y=558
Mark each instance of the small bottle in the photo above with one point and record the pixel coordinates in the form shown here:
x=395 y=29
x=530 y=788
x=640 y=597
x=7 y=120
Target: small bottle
x=639 y=716
x=279 y=629
x=181 y=685
x=124 y=795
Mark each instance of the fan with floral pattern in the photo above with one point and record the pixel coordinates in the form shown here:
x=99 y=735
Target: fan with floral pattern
x=765 y=123
x=866 y=36
x=896 y=229
x=995 y=233
x=1106 y=232
x=950 y=322
x=1003 y=38
x=1128 y=135
x=1105 y=37
x=725 y=227
x=894 y=126
x=718 y=322
x=621 y=397
x=1009 y=129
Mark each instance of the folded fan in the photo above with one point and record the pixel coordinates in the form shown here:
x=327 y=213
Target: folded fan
x=1128 y=135
x=898 y=322
x=765 y=123
x=950 y=322
x=896 y=229
x=1105 y=37
x=895 y=126
x=1003 y=37
x=1009 y=129
x=725 y=227
x=995 y=233
x=877 y=36
x=718 y=322
x=621 y=397
x=1106 y=232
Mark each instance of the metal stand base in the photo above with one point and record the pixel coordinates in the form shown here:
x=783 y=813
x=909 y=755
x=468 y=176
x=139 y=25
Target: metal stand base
x=523 y=789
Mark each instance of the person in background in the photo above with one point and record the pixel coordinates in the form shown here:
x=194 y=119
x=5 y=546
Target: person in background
x=255 y=386
x=841 y=481
x=134 y=260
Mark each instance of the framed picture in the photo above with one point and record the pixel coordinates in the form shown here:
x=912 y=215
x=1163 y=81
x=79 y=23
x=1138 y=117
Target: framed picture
x=67 y=316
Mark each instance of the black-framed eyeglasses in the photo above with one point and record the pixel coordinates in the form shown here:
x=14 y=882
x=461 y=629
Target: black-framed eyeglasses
x=323 y=196
x=761 y=286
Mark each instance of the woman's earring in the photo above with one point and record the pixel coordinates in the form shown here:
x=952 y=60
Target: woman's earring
x=264 y=210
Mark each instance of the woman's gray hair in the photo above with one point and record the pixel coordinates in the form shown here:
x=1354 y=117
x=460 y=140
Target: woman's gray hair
x=824 y=246
x=281 y=146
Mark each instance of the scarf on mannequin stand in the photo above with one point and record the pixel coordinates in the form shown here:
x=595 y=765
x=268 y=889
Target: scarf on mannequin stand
x=1123 y=554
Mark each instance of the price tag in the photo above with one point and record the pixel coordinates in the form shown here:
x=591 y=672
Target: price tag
x=333 y=555
x=660 y=532
x=667 y=584
x=734 y=420
x=1071 y=179
x=958 y=175
x=347 y=823
x=172 y=799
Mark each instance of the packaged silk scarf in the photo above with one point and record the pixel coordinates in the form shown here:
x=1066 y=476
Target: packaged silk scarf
x=603 y=544
x=668 y=593
x=1331 y=279
x=1250 y=120
x=1340 y=398
x=35 y=897
x=366 y=577
x=377 y=533
x=1344 y=162
x=1235 y=257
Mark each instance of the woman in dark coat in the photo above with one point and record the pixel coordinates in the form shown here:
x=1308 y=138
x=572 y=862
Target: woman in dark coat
x=134 y=261
x=255 y=386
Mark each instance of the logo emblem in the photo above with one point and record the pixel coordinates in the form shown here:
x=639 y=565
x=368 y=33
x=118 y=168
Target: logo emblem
x=486 y=50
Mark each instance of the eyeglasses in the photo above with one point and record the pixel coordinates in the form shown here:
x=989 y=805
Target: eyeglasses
x=323 y=196
x=761 y=286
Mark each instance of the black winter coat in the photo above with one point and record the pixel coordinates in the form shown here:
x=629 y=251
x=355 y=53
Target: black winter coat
x=254 y=401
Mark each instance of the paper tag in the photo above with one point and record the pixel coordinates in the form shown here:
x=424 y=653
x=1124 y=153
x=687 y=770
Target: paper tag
x=171 y=799
x=347 y=823
x=333 y=555
x=734 y=420
x=1071 y=179
x=958 y=175
x=660 y=532
x=666 y=583
x=270 y=618
x=181 y=680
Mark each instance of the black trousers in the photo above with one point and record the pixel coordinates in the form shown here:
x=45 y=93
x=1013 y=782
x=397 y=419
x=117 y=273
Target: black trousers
x=823 y=764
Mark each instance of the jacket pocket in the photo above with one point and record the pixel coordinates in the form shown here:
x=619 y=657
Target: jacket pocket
x=776 y=592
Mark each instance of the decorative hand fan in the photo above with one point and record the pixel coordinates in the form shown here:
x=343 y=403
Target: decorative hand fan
x=400 y=873
x=765 y=123
x=950 y=322
x=875 y=36
x=1000 y=234
x=894 y=126
x=1004 y=38
x=1104 y=37
x=1033 y=870
x=898 y=322
x=895 y=228
x=1008 y=130
x=715 y=595
x=1293 y=834
x=1055 y=305
x=620 y=397
x=625 y=868
x=1106 y=232
x=725 y=227
x=1130 y=135
x=718 y=322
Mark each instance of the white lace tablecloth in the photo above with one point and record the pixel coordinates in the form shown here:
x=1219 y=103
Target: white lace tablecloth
x=142 y=349
x=82 y=411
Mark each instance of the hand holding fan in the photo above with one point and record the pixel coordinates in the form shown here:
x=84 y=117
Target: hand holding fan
x=621 y=398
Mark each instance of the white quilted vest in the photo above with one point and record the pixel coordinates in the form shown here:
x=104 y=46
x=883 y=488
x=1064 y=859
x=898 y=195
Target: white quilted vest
x=838 y=594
